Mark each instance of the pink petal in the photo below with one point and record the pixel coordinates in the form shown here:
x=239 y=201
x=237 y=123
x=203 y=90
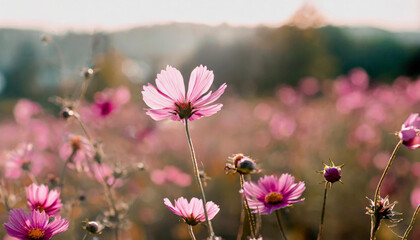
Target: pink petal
x=209 y=98
x=154 y=99
x=206 y=111
x=200 y=82
x=171 y=83
x=160 y=114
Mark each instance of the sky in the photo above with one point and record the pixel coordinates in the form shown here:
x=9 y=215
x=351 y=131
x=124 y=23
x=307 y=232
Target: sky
x=110 y=15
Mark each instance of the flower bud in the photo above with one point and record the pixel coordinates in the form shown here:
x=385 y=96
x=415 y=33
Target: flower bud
x=92 y=227
x=87 y=73
x=241 y=164
x=332 y=173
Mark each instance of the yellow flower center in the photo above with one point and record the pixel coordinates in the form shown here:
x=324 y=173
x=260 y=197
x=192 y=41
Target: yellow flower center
x=75 y=143
x=273 y=198
x=35 y=233
x=40 y=209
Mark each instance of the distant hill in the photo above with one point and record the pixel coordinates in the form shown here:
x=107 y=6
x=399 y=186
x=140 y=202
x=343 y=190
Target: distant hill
x=255 y=57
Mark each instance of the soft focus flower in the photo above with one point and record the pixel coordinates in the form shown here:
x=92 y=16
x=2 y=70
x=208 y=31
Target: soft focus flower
x=110 y=100
x=21 y=159
x=332 y=173
x=410 y=132
x=192 y=212
x=272 y=193
x=24 y=110
x=41 y=199
x=170 y=174
x=384 y=210
x=34 y=225
x=81 y=149
x=415 y=197
x=241 y=164
x=168 y=99
x=102 y=172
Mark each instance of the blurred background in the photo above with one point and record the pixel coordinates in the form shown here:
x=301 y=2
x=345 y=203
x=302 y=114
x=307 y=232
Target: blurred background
x=308 y=81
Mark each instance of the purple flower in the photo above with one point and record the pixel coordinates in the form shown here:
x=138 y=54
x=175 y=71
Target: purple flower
x=410 y=132
x=272 y=193
x=110 y=100
x=34 y=225
x=332 y=173
x=192 y=212
x=41 y=199
x=168 y=99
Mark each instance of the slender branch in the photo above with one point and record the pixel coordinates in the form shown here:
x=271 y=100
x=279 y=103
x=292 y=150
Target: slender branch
x=197 y=176
x=190 y=230
x=321 y=225
x=374 y=222
x=83 y=128
x=84 y=237
x=241 y=224
x=246 y=205
x=280 y=225
x=410 y=227
x=63 y=172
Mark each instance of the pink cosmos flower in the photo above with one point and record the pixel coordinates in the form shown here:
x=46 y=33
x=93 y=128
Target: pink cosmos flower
x=272 y=193
x=410 y=132
x=170 y=174
x=39 y=198
x=192 y=212
x=168 y=99
x=82 y=148
x=34 y=225
x=110 y=100
x=24 y=110
x=102 y=172
x=21 y=159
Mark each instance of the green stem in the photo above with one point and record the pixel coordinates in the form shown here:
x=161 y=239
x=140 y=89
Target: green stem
x=321 y=225
x=410 y=227
x=190 y=230
x=197 y=176
x=280 y=225
x=374 y=224
x=248 y=210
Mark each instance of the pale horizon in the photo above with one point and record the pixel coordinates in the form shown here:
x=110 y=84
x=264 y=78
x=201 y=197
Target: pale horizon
x=94 y=15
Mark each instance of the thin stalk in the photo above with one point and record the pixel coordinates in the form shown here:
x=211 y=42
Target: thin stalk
x=321 y=225
x=241 y=224
x=410 y=227
x=63 y=172
x=32 y=177
x=83 y=91
x=246 y=205
x=3 y=194
x=84 y=237
x=83 y=128
x=112 y=202
x=374 y=222
x=197 y=176
x=280 y=225
x=190 y=230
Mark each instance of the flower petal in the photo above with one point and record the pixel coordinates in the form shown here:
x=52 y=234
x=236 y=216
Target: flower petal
x=171 y=83
x=200 y=81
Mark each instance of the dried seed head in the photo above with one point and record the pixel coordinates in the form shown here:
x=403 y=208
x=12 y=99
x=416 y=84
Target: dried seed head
x=241 y=164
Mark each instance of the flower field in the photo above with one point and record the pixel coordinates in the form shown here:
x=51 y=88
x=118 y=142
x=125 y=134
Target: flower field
x=101 y=167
